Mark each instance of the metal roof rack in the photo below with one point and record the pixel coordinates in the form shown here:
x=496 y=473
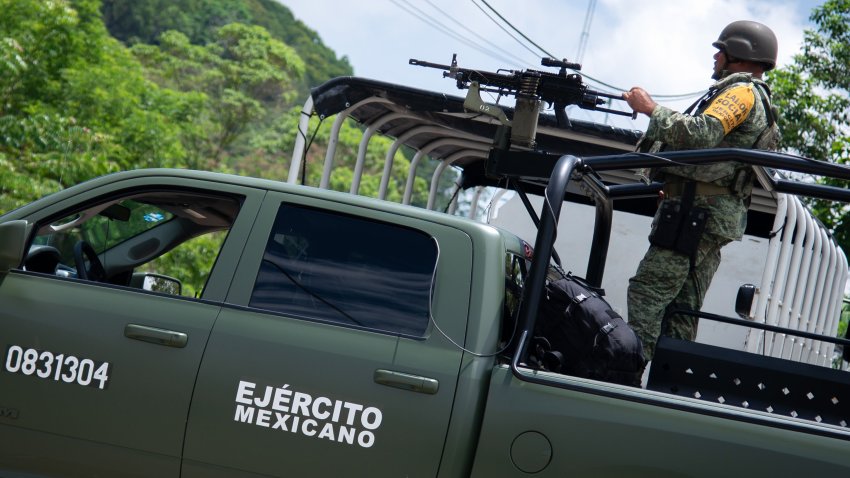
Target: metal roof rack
x=437 y=126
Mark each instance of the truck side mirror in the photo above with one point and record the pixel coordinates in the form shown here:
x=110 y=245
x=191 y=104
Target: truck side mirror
x=156 y=283
x=744 y=300
x=13 y=239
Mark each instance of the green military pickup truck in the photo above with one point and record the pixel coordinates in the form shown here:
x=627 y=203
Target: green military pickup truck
x=322 y=333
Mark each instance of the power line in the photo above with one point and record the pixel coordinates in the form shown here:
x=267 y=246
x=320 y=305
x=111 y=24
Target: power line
x=436 y=24
x=518 y=60
x=585 y=31
x=502 y=56
x=535 y=44
x=504 y=30
x=427 y=19
x=516 y=29
x=672 y=97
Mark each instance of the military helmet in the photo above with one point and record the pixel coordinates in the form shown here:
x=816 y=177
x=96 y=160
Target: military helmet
x=751 y=41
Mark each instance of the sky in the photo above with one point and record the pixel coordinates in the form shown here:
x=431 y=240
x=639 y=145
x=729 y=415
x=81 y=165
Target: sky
x=663 y=46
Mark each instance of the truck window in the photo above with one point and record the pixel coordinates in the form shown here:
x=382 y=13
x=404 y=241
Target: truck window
x=349 y=270
x=160 y=241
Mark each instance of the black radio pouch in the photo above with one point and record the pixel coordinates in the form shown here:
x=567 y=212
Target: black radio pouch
x=680 y=225
x=691 y=231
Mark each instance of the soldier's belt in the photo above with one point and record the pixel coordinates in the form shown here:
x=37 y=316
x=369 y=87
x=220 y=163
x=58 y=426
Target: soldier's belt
x=672 y=190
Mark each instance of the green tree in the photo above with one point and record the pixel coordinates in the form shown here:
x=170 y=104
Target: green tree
x=251 y=137
x=245 y=76
x=144 y=21
x=279 y=141
x=38 y=141
x=813 y=96
x=75 y=103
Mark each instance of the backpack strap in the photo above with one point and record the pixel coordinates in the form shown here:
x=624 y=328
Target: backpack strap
x=771 y=128
x=764 y=93
x=698 y=103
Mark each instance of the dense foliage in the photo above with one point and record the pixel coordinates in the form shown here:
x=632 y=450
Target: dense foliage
x=212 y=95
x=75 y=102
x=144 y=21
x=246 y=79
x=190 y=89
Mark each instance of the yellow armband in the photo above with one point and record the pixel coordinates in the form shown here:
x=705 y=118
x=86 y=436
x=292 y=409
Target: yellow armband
x=732 y=107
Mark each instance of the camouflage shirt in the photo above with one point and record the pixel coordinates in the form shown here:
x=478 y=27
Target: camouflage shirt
x=732 y=116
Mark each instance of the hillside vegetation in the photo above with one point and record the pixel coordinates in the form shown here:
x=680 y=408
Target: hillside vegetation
x=93 y=87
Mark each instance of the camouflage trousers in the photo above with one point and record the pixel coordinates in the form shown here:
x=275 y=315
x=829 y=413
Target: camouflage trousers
x=664 y=279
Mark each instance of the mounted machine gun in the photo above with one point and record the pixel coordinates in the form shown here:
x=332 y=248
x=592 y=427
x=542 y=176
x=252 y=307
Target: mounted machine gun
x=530 y=87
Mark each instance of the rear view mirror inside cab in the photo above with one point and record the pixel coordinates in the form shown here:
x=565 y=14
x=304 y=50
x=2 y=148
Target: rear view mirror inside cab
x=116 y=212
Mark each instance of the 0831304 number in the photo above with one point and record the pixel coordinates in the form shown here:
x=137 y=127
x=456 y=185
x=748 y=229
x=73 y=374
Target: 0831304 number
x=57 y=367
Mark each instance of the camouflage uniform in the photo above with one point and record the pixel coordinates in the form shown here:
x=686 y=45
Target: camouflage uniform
x=732 y=116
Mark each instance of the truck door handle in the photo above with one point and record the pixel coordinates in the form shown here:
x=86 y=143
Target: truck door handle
x=406 y=381
x=154 y=335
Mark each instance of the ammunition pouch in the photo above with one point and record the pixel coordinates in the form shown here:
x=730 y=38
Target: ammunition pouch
x=679 y=229
x=680 y=224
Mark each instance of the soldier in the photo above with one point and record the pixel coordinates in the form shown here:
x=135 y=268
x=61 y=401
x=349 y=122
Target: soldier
x=703 y=207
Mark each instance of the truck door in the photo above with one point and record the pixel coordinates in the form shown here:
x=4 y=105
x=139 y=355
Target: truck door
x=326 y=362
x=95 y=375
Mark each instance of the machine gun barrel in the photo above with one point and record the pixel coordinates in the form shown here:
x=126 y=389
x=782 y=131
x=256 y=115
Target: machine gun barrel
x=508 y=82
x=608 y=95
x=428 y=64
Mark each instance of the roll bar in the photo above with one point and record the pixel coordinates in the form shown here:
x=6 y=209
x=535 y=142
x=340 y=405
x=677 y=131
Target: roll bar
x=509 y=164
